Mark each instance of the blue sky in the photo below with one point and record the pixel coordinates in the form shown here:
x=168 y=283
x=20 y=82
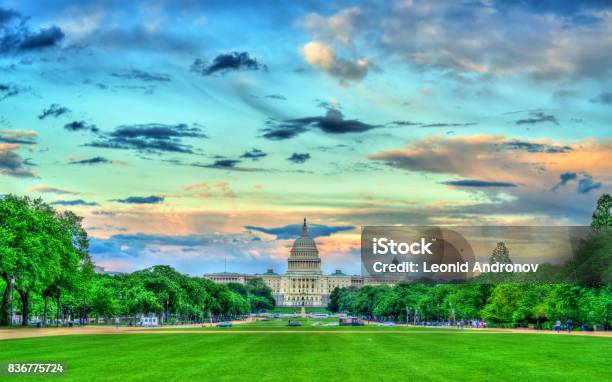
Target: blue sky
x=188 y=132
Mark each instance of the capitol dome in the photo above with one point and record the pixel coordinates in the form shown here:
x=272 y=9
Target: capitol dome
x=304 y=256
x=304 y=246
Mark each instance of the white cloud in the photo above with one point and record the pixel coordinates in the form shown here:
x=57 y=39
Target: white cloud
x=340 y=27
x=323 y=56
x=481 y=39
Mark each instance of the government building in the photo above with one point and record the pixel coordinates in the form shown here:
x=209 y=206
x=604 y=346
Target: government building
x=304 y=284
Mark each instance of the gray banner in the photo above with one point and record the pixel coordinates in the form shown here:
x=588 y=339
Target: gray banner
x=486 y=254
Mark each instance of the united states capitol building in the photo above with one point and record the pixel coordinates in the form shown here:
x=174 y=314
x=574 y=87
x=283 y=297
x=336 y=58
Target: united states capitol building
x=304 y=284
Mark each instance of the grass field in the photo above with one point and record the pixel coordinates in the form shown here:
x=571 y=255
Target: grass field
x=301 y=354
x=280 y=324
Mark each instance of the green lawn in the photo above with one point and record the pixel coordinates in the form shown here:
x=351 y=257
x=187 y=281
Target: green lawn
x=308 y=356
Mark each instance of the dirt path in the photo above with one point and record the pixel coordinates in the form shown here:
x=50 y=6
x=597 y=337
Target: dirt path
x=44 y=332
x=6 y=334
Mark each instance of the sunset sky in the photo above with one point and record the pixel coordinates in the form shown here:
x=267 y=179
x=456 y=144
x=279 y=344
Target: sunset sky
x=189 y=132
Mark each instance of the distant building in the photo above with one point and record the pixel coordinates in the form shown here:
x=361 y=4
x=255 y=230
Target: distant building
x=303 y=284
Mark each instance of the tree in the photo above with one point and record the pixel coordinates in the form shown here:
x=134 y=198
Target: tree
x=388 y=305
x=256 y=293
x=75 y=263
x=411 y=304
x=596 y=306
x=239 y=288
x=503 y=303
x=103 y=300
x=564 y=302
x=435 y=305
x=40 y=250
x=343 y=299
x=592 y=264
x=259 y=295
x=531 y=305
x=165 y=284
x=13 y=212
x=36 y=243
x=221 y=299
x=602 y=217
x=334 y=300
x=593 y=260
x=141 y=301
x=500 y=254
x=466 y=300
x=367 y=299
x=196 y=296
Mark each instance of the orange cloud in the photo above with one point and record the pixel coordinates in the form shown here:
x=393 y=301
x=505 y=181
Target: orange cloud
x=499 y=158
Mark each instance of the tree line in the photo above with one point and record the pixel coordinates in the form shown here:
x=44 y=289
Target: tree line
x=504 y=299
x=171 y=296
x=46 y=271
x=503 y=305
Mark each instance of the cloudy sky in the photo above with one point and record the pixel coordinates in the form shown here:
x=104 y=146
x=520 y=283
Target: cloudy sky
x=186 y=133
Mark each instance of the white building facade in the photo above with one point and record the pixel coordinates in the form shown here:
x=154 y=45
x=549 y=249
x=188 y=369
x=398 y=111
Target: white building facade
x=304 y=284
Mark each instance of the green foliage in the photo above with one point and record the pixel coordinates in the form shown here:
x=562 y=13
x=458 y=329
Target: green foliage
x=593 y=261
x=466 y=301
x=259 y=295
x=44 y=256
x=173 y=296
x=334 y=300
x=502 y=304
x=501 y=254
x=141 y=301
x=42 y=251
x=602 y=217
x=103 y=300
